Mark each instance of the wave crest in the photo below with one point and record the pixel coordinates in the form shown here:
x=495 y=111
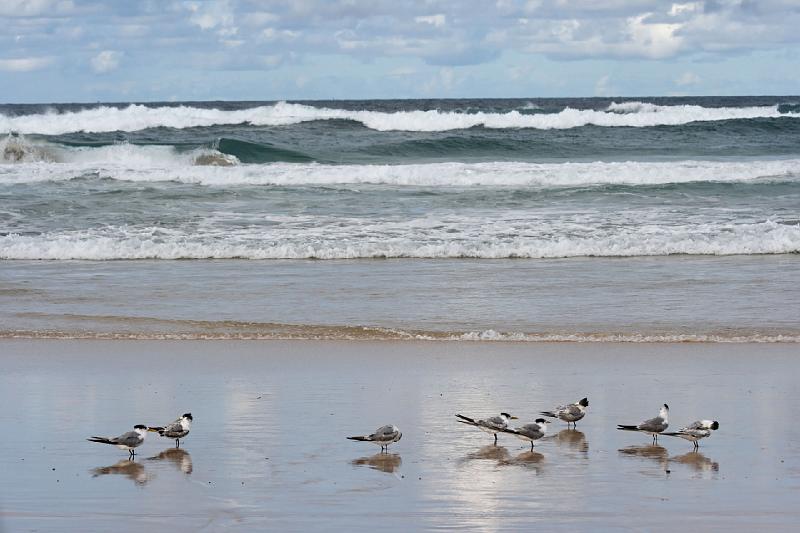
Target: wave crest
x=422 y=238
x=138 y=117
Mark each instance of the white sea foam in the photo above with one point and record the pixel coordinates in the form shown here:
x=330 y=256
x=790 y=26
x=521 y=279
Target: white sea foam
x=369 y=334
x=451 y=237
x=137 y=117
x=162 y=163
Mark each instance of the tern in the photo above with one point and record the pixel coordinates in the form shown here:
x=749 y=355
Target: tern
x=383 y=436
x=530 y=432
x=490 y=425
x=695 y=431
x=569 y=413
x=126 y=441
x=175 y=430
x=654 y=426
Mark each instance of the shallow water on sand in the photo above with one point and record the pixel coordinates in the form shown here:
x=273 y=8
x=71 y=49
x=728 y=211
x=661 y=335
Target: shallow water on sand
x=658 y=299
x=268 y=447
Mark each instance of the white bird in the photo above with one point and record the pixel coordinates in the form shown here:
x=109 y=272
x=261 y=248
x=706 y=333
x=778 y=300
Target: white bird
x=489 y=425
x=530 y=432
x=695 y=431
x=383 y=436
x=654 y=426
x=175 y=430
x=569 y=413
x=126 y=441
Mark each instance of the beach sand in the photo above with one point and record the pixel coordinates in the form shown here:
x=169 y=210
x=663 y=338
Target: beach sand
x=268 y=447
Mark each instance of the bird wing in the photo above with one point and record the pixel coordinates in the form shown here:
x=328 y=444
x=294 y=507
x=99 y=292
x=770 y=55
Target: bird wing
x=532 y=431
x=384 y=433
x=130 y=438
x=173 y=426
x=656 y=425
x=495 y=422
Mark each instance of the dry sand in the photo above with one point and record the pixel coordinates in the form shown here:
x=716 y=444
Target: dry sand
x=268 y=448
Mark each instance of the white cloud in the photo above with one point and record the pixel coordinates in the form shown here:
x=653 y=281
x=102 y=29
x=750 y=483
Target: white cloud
x=106 y=61
x=25 y=64
x=437 y=21
x=687 y=78
x=603 y=86
x=33 y=8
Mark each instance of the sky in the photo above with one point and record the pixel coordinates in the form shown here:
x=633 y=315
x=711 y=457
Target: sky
x=163 y=50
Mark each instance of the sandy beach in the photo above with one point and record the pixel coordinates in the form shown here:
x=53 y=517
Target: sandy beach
x=268 y=448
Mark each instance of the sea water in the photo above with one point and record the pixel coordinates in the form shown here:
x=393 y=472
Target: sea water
x=534 y=219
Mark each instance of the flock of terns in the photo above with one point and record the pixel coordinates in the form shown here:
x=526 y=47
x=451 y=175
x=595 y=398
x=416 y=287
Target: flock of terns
x=571 y=413
x=389 y=434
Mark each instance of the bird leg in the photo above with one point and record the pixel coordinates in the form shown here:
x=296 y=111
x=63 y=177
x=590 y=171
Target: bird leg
x=495 y=439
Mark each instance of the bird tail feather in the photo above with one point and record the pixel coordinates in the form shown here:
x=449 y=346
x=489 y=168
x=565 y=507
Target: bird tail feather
x=466 y=420
x=360 y=439
x=627 y=428
x=102 y=440
x=551 y=414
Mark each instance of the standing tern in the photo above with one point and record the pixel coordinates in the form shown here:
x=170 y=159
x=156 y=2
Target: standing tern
x=530 y=432
x=383 y=436
x=489 y=425
x=569 y=413
x=126 y=441
x=175 y=430
x=654 y=426
x=695 y=431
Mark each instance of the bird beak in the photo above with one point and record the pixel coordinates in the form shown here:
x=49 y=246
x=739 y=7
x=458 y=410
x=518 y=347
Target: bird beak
x=514 y=418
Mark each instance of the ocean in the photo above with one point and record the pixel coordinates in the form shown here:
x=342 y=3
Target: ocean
x=594 y=219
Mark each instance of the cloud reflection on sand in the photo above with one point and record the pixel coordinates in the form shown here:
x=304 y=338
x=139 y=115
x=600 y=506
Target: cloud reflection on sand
x=385 y=462
x=176 y=456
x=125 y=467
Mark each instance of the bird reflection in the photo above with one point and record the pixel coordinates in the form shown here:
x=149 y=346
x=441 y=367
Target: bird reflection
x=492 y=453
x=527 y=459
x=697 y=461
x=178 y=457
x=385 y=462
x=130 y=469
x=652 y=452
x=573 y=439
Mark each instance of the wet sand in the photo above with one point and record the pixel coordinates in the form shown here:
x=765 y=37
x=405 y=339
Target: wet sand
x=268 y=448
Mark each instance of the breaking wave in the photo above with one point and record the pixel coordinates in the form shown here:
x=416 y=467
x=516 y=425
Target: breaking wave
x=321 y=238
x=126 y=162
x=138 y=117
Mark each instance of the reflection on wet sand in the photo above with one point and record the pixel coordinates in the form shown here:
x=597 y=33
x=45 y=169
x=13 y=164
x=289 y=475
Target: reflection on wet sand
x=651 y=452
x=126 y=467
x=527 y=459
x=177 y=456
x=491 y=452
x=385 y=462
x=697 y=461
x=572 y=438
